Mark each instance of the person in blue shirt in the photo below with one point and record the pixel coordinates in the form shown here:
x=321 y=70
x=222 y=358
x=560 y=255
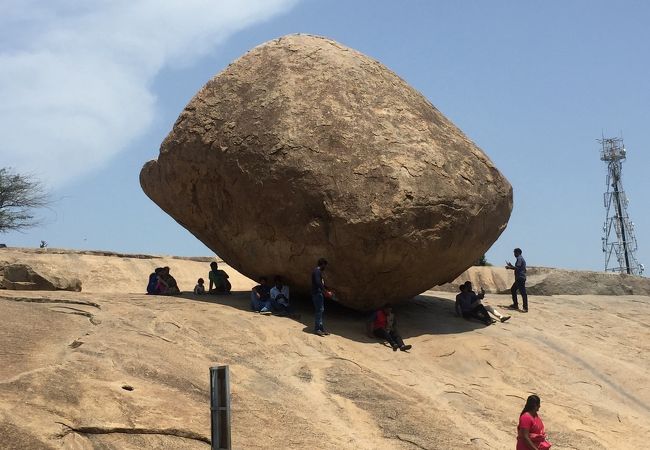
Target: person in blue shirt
x=318 y=291
x=261 y=297
x=469 y=306
x=152 y=286
x=479 y=299
x=520 y=280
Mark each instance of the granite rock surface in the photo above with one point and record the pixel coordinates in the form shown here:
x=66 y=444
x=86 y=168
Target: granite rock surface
x=304 y=148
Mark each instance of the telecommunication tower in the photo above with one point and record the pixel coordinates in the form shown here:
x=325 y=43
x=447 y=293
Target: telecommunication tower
x=619 y=240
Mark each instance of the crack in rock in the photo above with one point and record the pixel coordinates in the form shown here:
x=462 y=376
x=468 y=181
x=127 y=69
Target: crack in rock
x=49 y=300
x=186 y=434
x=405 y=439
x=78 y=312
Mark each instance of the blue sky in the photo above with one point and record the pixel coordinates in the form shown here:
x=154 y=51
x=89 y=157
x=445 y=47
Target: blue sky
x=91 y=93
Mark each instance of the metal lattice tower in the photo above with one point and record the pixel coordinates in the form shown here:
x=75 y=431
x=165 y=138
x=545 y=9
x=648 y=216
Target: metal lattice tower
x=619 y=240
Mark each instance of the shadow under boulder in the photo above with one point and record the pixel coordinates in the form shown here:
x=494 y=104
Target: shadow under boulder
x=21 y=277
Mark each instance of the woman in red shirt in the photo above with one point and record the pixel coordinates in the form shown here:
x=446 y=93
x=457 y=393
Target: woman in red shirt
x=531 y=435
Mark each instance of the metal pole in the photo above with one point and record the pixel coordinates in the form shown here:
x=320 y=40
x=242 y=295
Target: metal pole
x=621 y=222
x=220 y=407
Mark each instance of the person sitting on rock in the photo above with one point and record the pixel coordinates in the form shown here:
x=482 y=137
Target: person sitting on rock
x=152 y=285
x=261 y=296
x=469 y=306
x=280 y=297
x=383 y=325
x=161 y=284
x=218 y=279
x=199 y=289
x=168 y=283
x=481 y=298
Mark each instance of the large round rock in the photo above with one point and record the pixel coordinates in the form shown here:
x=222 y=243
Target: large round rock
x=304 y=148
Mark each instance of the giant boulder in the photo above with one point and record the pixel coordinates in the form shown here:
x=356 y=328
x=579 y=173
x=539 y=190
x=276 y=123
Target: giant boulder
x=304 y=148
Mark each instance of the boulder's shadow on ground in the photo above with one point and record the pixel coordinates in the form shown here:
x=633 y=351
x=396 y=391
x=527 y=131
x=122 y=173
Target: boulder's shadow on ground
x=423 y=315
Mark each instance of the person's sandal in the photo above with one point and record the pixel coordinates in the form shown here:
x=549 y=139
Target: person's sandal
x=504 y=318
x=406 y=347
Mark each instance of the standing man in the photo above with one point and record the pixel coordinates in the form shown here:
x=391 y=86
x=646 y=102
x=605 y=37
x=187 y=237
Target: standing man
x=520 y=280
x=318 y=297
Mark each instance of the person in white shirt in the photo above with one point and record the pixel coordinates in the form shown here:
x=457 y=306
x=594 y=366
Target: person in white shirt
x=280 y=297
x=199 y=289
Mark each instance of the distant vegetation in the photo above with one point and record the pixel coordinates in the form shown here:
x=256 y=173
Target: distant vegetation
x=482 y=261
x=20 y=195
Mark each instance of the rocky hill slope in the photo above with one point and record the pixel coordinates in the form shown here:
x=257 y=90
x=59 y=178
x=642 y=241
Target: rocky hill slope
x=122 y=370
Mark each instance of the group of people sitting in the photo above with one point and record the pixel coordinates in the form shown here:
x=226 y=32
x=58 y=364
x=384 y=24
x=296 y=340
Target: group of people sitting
x=270 y=299
x=267 y=299
x=470 y=305
x=161 y=282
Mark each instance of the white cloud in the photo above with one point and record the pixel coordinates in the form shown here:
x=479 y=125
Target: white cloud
x=75 y=76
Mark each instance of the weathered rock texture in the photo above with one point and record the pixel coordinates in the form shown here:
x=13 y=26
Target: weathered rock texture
x=552 y=281
x=304 y=148
x=22 y=277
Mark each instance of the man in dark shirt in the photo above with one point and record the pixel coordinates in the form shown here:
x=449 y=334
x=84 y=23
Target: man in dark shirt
x=218 y=279
x=318 y=296
x=261 y=297
x=468 y=305
x=520 y=280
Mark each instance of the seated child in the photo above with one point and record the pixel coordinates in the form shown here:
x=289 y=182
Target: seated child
x=199 y=289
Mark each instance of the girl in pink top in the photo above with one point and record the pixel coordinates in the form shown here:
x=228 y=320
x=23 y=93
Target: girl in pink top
x=531 y=435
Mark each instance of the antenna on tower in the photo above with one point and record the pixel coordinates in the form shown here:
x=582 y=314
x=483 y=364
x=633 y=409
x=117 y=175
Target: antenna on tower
x=619 y=240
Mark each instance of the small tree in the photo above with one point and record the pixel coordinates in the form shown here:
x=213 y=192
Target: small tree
x=482 y=261
x=19 y=196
